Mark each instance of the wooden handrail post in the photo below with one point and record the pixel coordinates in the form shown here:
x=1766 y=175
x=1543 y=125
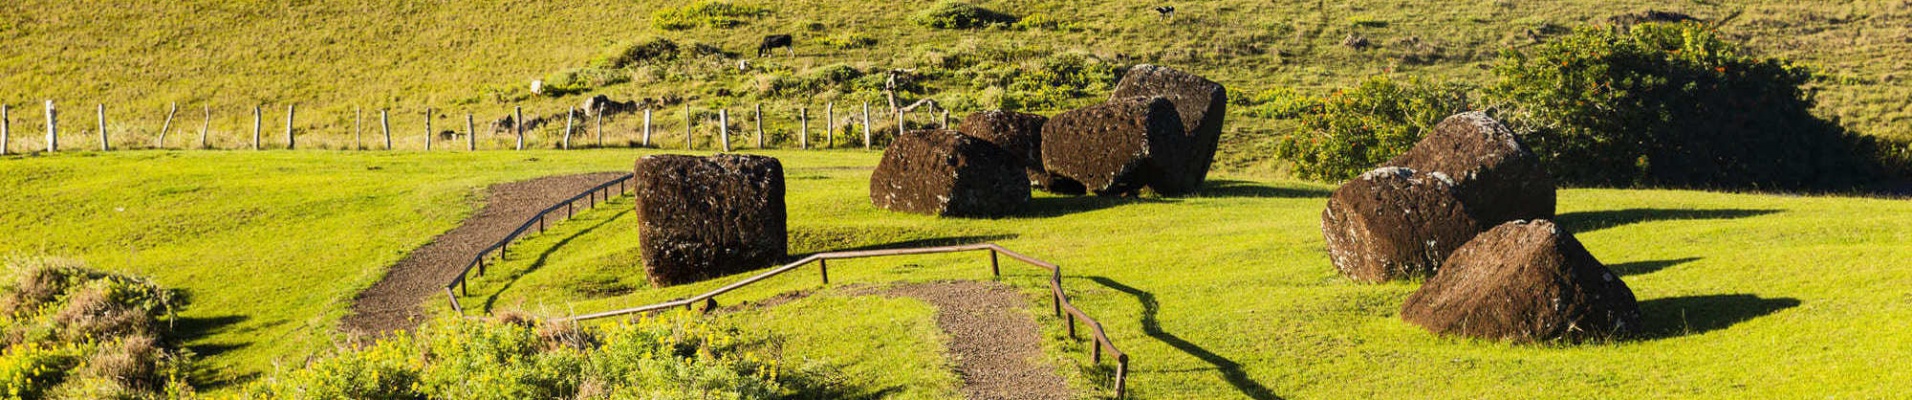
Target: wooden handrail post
x=1072 y=330
x=1121 y=376
x=995 y=268
x=823 y=266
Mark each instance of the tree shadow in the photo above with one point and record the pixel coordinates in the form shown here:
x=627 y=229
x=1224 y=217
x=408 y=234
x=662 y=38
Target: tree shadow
x=1589 y=221
x=1235 y=188
x=1230 y=370
x=1646 y=267
x=1692 y=315
x=193 y=329
x=1046 y=207
x=492 y=299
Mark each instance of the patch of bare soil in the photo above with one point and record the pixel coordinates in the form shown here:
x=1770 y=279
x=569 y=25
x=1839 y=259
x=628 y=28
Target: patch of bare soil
x=393 y=302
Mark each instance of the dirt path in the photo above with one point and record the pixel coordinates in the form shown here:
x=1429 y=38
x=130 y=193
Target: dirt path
x=995 y=343
x=393 y=302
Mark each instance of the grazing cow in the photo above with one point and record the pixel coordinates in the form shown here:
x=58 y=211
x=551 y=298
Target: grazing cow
x=1167 y=12
x=773 y=42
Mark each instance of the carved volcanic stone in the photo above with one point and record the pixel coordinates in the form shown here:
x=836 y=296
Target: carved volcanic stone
x=945 y=173
x=1394 y=223
x=1494 y=174
x=1201 y=103
x=1021 y=134
x=705 y=217
x=1525 y=281
x=1116 y=148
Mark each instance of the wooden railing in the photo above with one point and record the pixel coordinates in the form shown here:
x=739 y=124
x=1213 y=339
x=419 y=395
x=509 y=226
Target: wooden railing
x=541 y=221
x=1061 y=300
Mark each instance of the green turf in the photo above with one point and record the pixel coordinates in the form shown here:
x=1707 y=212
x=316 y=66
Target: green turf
x=1220 y=295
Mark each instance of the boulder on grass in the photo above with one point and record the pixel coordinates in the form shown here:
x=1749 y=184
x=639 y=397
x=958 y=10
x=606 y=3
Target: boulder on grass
x=945 y=173
x=1525 y=281
x=1498 y=178
x=1020 y=134
x=705 y=217
x=1395 y=223
x=1201 y=103
x=1115 y=148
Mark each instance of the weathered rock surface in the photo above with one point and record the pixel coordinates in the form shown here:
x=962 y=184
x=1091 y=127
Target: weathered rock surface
x=1494 y=174
x=1202 y=105
x=946 y=173
x=1395 y=223
x=1020 y=134
x=705 y=217
x=1118 y=147
x=1525 y=281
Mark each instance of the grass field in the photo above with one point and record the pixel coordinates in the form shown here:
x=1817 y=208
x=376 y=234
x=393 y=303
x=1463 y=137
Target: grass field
x=1227 y=294
x=478 y=57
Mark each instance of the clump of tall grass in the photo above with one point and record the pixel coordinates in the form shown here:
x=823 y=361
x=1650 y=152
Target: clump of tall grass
x=69 y=331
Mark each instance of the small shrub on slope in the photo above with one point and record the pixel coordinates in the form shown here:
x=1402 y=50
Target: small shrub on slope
x=68 y=331
x=703 y=13
x=1352 y=130
x=959 y=15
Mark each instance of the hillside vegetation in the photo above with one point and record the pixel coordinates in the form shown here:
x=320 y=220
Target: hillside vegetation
x=478 y=57
x=1744 y=295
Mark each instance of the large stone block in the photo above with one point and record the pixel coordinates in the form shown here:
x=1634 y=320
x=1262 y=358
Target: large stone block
x=1525 y=281
x=1116 y=148
x=1395 y=223
x=1202 y=105
x=946 y=173
x=1498 y=178
x=705 y=217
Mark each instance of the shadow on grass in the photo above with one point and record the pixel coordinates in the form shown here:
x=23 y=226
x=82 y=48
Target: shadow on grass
x=492 y=300
x=1234 y=188
x=914 y=243
x=1645 y=267
x=1230 y=370
x=1692 y=315
x=1588 y=221
x=192 y=329
x=1045 y=207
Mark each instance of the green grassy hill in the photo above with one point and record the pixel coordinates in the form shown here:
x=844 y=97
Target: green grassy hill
x=1745 y=295
x=478 y=57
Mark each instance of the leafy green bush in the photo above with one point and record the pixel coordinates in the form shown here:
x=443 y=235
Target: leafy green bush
x=849 y=40
x=1352 y=130
x=951 y=14
x=67 y=331
x=625 y=54
x=833 y=76
x=672 y=356
x=1674 y=105
x=705 y=13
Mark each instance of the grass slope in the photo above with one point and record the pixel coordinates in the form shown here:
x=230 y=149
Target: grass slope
x=333 y=57
x=1222 y=295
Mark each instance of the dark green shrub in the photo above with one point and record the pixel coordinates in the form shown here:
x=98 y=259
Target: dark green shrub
x=704 y=13
x=579 y=80
x=625 y=54
x=1352 y=130
x=951 y=14
x=1674 y=105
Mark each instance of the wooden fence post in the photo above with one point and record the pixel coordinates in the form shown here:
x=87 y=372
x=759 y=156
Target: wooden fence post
x=103 y=146
x=866 y=125
x=205 y=128
x=517 y=123
x=358 y=128
x=471 y=133
x=290 y=142
x=803 y=127
x=723 y=128
x=569 y=115
x=6 y=131
x=760 y=125
x=258 y=113
x=647 y=127
x=52 y=128
x=597 y=124
x=385 y=124
x=161 y=141
x=829 y=125
x=428 y=129
x=690 y=142
x=901 y=124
